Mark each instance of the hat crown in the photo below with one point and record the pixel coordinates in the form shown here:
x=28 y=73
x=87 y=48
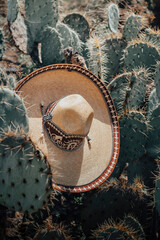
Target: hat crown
x=73 y=114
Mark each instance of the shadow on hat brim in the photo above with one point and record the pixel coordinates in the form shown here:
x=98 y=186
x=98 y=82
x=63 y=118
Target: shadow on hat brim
x=92 y=163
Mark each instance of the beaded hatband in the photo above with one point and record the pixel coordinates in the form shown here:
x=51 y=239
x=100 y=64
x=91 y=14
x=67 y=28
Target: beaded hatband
x=60 y=138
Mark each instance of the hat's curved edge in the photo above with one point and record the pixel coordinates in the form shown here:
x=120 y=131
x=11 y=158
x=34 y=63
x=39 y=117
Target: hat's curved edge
x=115 y=124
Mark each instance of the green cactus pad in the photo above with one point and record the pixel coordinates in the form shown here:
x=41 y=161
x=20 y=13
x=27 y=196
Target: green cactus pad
x=133 y=136
x=65 y=34
x=141 y=54
x=129 y=229
x=134 y=224
x=128 y=89
x=51 y=47
x=69 y=37
x=113 y=15
x=24 y=181
x=113 y=202
x=39 y=14
x=114 y=52
x=13 y=113
x=76 y=43
x=98 y=60
x=118 y=88
x=79 y=24
x=12 y=10
x=102 y=30
x=132 y=27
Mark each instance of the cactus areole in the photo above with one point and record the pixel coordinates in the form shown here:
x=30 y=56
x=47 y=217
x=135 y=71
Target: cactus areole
x=73 y=122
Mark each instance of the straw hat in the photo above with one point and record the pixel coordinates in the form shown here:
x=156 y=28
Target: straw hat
x=73 y=122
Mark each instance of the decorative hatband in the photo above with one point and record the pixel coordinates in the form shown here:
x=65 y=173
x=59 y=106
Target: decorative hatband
x=60 y=138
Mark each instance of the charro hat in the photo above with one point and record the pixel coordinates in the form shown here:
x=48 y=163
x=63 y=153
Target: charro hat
x=73 y=122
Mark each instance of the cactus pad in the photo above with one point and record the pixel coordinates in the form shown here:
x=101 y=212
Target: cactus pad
x=12 y=10
x=51 y=47
x=132 y=27
x=113 y=200
x=113 y=15
x=69 y=37
x=39 y=14
x=128 y=89
x=24 y=182
x=13 y=113
x=114 y=52
x=129 y=229
x=133 y=129
x=98 y=60
x=141 y=54
x=79 y=24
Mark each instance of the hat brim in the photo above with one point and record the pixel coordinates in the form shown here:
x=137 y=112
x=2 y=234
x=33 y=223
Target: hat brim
x=91 y=164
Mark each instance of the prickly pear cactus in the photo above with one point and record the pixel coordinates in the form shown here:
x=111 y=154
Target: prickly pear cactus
x=69 y=37
x=133 y=223
x=97 y=59
x=78 y=23
x=132 y=27
x=13 y=113
x=133 y=127
x=114 y=52
x=51 y=51
x=113 y=16
x=128 y=90
x=141 y=53
x=12 y=10
x=24 y=177
x=113 y=200
x=38 y=15
x=129 y=228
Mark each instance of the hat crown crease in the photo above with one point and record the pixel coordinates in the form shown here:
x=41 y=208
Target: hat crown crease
x=73 y=114
x=67 y=121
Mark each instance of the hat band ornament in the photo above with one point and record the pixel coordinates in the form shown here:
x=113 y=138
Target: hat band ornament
x=64 y=141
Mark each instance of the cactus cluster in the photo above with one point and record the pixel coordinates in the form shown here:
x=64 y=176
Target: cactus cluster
x=125 y=55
